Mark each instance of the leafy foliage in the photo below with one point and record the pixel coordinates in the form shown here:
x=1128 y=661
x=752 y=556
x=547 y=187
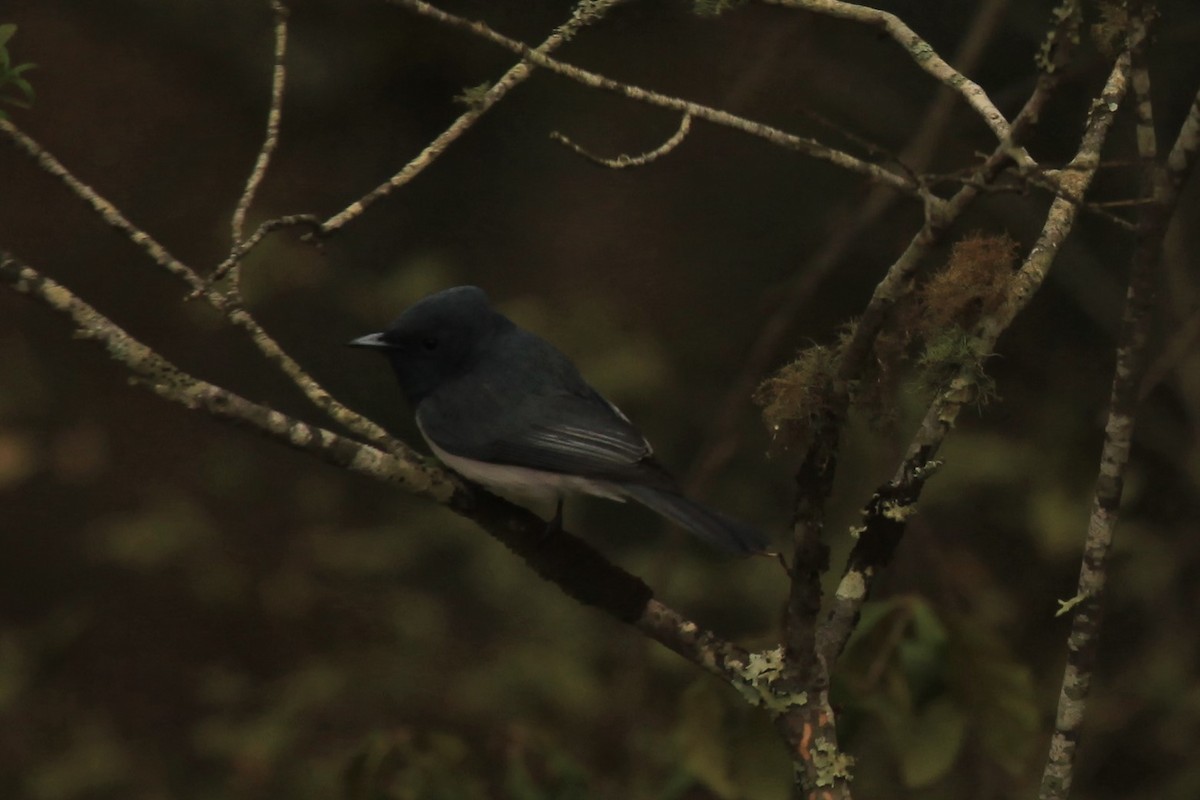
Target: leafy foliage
x=472 y=96
x=14 y=89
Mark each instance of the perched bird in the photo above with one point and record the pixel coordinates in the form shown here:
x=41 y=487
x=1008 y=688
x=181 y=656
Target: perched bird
x=504 y=408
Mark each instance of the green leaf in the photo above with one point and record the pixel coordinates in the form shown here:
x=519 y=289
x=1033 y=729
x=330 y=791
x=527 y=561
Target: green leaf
x=928 y=743
x=6 y=32
x=25 y=87
x=17 y=70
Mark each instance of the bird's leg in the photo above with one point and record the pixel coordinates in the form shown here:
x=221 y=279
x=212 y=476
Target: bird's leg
x=554 y=524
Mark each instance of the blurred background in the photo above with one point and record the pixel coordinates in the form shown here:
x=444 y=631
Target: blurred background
x=190 y=611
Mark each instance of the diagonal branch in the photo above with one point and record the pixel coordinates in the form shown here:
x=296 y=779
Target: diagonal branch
x=927 y=59
x=586 y=12
x=229 y=306
x=108 y=212
x=564 y=559
x=809 y=147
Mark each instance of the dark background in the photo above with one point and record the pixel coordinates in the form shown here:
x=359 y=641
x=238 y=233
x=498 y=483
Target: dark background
x=189 y=611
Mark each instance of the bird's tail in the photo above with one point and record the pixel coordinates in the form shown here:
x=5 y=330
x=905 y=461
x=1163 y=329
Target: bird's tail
x=713 y=527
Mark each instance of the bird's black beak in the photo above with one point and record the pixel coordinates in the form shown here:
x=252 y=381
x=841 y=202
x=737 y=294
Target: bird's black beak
x=375 y=341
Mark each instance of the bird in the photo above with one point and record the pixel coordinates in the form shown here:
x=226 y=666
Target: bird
x=506 y=409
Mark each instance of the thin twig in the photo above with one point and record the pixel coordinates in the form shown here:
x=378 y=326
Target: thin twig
x=1039 y=181
x=229 y=306
x=310 y=221
x=927 y=59
x=586 y=12
x=271 y=139
x=809 y=147
x=103 y=208
x=624 y=161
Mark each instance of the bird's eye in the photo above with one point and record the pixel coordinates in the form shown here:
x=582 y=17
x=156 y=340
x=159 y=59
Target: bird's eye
x=429 y=343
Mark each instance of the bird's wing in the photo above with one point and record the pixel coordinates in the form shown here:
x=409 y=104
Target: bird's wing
x=571 y=432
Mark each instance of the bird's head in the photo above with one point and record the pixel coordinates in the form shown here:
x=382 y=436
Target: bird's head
x=434 y=340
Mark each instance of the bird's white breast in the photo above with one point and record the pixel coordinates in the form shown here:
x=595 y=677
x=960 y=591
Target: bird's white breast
x=524 y=482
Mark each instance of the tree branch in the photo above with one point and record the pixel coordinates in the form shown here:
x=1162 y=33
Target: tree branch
x=723 y=436
x=1160 y=185
x=103 y=208
x=625 y=161
x=884 y=517
x=271 y=138
x=926 y=58
x=809 y=147
x=229 y=305
x=563 y=559
x=586 y=12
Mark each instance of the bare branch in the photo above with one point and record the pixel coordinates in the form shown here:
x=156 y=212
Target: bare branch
x=104 y=209
x=586 y=12
x=1087 y=607
x=700 y=646
x=271 y=139
x=230 y=306
x=927 y=59
x=310 y=221
x=403 y=467
x=623 y=161
x=1040 y=180
x=809 y=147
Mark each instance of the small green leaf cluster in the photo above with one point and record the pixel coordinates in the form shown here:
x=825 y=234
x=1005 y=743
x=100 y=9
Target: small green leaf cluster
x=473 y=96
x=14 y=88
